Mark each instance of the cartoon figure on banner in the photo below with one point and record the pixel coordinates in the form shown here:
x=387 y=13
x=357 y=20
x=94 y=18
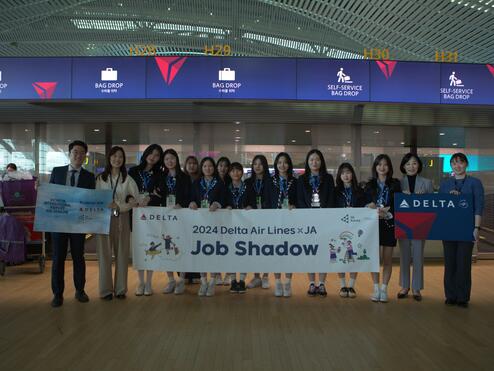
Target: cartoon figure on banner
x=349 y=252
x=170 y=245
x=332 y=251
x=153 y=249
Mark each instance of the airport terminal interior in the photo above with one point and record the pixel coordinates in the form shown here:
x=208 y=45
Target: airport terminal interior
x=255 y=331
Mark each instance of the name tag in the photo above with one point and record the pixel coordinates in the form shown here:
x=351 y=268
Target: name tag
x=315 y=202
x=284 y=205
x=259 y=202
x=170 y=201
x=204 y=204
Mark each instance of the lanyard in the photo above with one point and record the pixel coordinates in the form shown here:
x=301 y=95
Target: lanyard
x=237 y=193
x=206 y=187
x=382 y=194
x=347 y=192
x=146 y=179
x=459 y=184
x=315 y=181
x=116 y=185
x=258 y=186
x=171 y=183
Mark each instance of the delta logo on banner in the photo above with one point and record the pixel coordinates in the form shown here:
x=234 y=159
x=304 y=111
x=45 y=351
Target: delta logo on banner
x=434 y=217
x=490 y=67
x=45 y=90
x=169 y=67
x=386 y=67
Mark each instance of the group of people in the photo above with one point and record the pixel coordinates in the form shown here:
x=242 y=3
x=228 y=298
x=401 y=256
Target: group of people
x=159 y=180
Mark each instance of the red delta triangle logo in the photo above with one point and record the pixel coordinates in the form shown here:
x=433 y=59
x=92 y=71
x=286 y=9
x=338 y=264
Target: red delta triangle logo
x=45 y=90
x=386 y=67
x=169 y=67
x=490 y=67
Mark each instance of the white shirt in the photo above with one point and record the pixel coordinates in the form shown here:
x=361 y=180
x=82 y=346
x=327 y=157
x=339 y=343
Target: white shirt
x=124 y=189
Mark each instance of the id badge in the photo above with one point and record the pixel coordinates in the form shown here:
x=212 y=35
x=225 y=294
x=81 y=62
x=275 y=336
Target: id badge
x=284 y=205
x=258 y=202
x=170 y=201
x=204 y=204
x=315 y=202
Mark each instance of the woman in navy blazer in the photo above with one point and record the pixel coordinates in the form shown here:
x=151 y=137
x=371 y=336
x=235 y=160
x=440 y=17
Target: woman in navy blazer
x=223 y=167
x=281 y=193
x=208 y=192
x=379 y=191
x=315 y=189
x=458 y=254
x=348 y=194
x=256 y=185
x=174 y=191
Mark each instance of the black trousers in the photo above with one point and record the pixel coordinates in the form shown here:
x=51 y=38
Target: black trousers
x=60 y=243
x=457 y=270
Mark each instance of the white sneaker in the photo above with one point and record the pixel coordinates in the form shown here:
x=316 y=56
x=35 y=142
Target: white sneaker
x=376 y=295
x=203 y=289
x=265 y=283
x=255 y=282
x=287 y=289
x=210 y=289
x=148 y=290
x=219 y=279
x=383 y=296
x=140 y=289
x=278 y=289
x=180 y=287
x=228 y=280
x=170 y=287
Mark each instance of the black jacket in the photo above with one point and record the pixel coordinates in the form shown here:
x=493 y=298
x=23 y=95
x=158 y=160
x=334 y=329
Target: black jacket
x=251 y=192
x=326 y=191
x=217 y=194
x=86 y=178
x=272 y=192
x=242 y=204
x=371 y=191
x=358 y=198
x=135 y=173
x=182 y=189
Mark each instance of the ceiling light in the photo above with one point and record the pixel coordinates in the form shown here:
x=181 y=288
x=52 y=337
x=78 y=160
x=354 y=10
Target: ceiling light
x=237 y=130
x=124 y=140
x=180 y=140
x=237 y=122
x=455 y=144
x=96 y=130
x=294 y=141
x=442 y=134
x=237 y=137
x=166 y=129
x=376 y=132
x=348 y=142
x=307 y=131
x=402 y=142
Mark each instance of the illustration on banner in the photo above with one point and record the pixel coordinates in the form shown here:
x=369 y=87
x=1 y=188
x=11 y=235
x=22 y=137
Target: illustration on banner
x=168 y=251
x=345 y=246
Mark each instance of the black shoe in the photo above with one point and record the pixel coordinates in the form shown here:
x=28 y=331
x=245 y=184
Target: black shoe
x=121 y=296
x=402 y=295
x=107 y=297
x=462 y=304
x=450 y=302
x=417 y=296
x=312 y=290
x=351 y=292
x=321 y=290
x=344 y=292
x=241 y=287
x=57 y=301
x=234 y=287
x=81 y=296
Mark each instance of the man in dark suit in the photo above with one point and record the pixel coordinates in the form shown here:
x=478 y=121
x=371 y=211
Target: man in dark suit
x=72 y=175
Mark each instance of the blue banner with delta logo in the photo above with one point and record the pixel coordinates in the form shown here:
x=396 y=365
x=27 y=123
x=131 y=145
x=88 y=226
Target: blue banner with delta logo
x=434 y=217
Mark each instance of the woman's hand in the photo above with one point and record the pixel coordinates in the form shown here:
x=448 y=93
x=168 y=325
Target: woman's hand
x=113 y=205
x=291 y=207
x=177 y=206
x=133 y=203
x=454 y=192
x=214 y=206
x=408 y=192
x=248 y=208
x=476 y=234
x=145 y=201
x=193 y=205
x=372 y=205
x=229 y=208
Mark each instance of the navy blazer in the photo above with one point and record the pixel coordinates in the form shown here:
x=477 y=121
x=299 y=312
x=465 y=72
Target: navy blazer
x=326 y=191
x=134 y=173
x=251 y=192
x=371 y=192
x=182 y=189
x=217 y=194
x=86 y=178
x=272 y=192
x=358 y=198
x=242 y=203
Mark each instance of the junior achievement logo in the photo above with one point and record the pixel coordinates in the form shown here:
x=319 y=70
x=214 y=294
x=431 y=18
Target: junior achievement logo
x=169 y=67
x=344 y=86
x=45 y=90
x=386 y=67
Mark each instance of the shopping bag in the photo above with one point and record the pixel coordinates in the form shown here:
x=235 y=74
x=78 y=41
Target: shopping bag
x=18 y=193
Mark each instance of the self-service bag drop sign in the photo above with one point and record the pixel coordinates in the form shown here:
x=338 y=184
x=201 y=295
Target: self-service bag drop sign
x=109 y=75
x=226 y=74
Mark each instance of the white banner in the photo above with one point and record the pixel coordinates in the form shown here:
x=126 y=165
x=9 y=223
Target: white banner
x=300 y=240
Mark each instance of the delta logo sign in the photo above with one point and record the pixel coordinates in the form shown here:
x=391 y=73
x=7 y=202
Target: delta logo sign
x=434 y=217
x=169 y=67
x=386 y=67
x=45 y=90
x=490 y=67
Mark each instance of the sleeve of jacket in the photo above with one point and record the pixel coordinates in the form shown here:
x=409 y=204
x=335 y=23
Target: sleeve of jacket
x=331 y=191
x=301 y=194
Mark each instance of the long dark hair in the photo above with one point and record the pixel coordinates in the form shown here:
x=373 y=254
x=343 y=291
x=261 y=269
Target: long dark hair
x=290 y=164
x=147 y=152
x=389 y=175
x=265 y=166
x=322 y=169
x=193 y=158
x=339 y=183
x=227 y=179
x=215 y=174
x=178 y=170
x=107 y=172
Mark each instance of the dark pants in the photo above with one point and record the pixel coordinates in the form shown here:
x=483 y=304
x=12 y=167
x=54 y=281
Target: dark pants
x=60 y=243
x=457 y=270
